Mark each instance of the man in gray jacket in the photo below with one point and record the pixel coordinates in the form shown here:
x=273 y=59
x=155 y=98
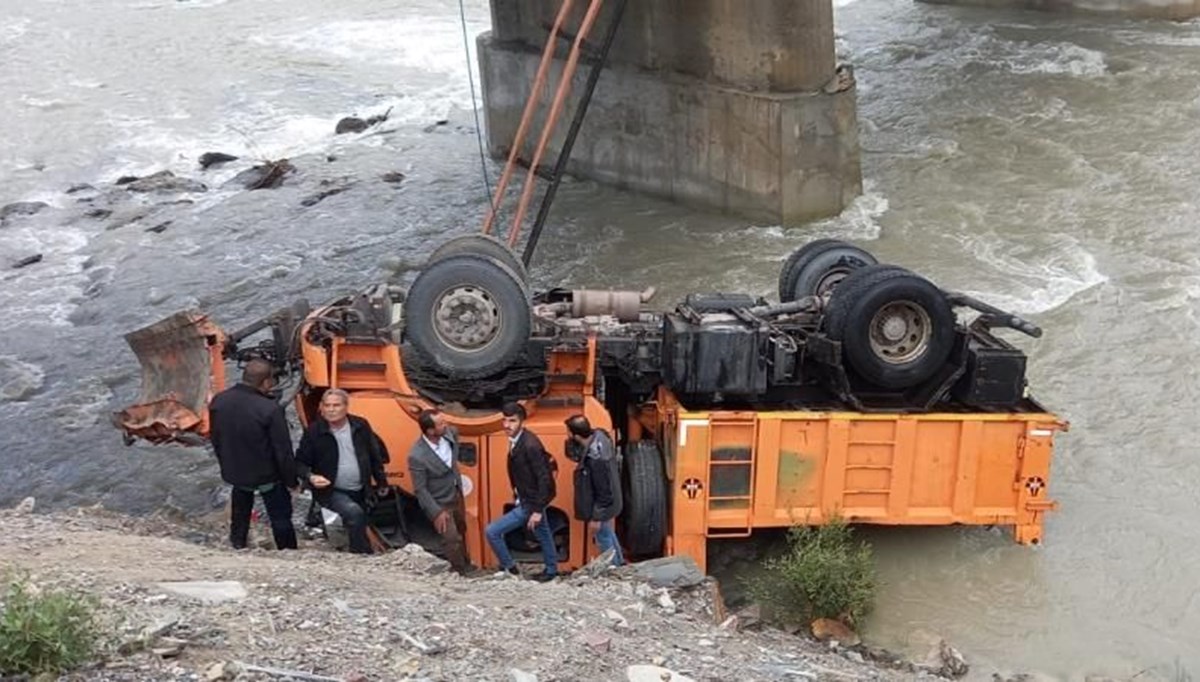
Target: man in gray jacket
x=433 y=464
x=598 y=498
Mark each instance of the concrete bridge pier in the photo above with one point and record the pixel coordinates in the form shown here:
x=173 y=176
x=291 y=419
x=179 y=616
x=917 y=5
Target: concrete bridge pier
x=726 y=104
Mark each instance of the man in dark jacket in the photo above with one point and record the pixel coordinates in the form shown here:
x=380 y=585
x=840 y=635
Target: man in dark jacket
x=597 y=484
x=437 y=483
x=338 y=454
x=533 y=485
x=249 y=435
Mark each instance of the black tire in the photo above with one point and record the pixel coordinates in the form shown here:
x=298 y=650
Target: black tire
x=482 y=287
x=817 y=267
x=644 y=517
x=896 y=328
x=480 y=245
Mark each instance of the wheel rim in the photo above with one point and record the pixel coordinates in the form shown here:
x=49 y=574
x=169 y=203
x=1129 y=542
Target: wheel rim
x=900 y=332
x=467 y=318
x=830 y=280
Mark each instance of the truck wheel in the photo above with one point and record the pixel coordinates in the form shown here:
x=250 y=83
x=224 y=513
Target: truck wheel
x=896 y=328
x=816 y=268
x=468 y=316
x=480 y=245
x=644 y=517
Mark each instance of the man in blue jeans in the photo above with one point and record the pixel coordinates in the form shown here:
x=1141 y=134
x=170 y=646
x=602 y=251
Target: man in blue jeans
x=598 y=497
x=530 y=474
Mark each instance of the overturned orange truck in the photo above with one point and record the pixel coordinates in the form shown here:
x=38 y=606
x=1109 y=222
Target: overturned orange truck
x=864 y=393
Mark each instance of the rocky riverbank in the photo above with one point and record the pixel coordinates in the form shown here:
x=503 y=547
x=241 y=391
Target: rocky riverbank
x=178 y=606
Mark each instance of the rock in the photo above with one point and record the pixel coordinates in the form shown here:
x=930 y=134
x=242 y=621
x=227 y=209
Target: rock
x=27 y=260
x=597 y=641
x=665 y=602
x=208 y=592
x=218 y=671
x=856 y=657
x=944 y=660
x=598 y=566
x=355 y=677
x=518 y=675
x=127 y=215
x=394 y=177
x=674 y=571
x=314 y=199
x=653 y=673
x=148 y=635
x=415 y=557
x=159 y=228
x=170 y=651
x=215 y=159
x=26 y=506
x=749 y=617
x=617 y=621
x=267 y=175
x=165 y=181
x=126 y=179
x=81 y=187
x=730 y=624
x=825 y=629
x=706 y=642
x=22 y=208
x=98 y=213
x=350 y=124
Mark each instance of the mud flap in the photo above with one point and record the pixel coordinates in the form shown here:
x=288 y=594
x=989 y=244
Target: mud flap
x=182 y=367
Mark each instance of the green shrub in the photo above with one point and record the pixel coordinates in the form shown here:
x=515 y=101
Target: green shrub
x=44 y=630
x=824 y=574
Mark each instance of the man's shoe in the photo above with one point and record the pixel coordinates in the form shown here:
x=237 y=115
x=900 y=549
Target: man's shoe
x=544 y=577
x=512 y=571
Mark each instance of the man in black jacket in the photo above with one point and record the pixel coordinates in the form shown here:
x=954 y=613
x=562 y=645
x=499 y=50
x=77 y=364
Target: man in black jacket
x=338 y=453
x=598 y=497
x=533 y=485
x=250 y=437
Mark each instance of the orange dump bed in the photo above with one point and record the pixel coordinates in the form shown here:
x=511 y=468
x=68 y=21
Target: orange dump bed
x=732 y=472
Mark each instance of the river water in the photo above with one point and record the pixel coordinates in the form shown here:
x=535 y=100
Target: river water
x=1043 y=163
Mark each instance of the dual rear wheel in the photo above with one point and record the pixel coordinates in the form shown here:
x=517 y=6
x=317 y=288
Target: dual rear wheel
x=896 y=328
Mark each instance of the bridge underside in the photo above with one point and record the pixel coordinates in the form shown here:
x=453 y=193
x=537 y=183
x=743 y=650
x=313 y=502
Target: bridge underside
x=737 y=106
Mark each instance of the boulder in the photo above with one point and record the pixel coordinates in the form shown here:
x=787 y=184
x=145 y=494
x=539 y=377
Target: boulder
x=673 y=571
x=207 y=592
x=267 y=175
x=22 y=208
x=28 y=260
x=165 y=181
x=945 y=660
x=350 y=124
x=208 y=159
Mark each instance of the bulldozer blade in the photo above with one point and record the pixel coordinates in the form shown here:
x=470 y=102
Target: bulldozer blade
x=182 y=368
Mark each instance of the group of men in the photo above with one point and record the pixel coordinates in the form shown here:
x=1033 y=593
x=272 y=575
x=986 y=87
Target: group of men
x=340 y=455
